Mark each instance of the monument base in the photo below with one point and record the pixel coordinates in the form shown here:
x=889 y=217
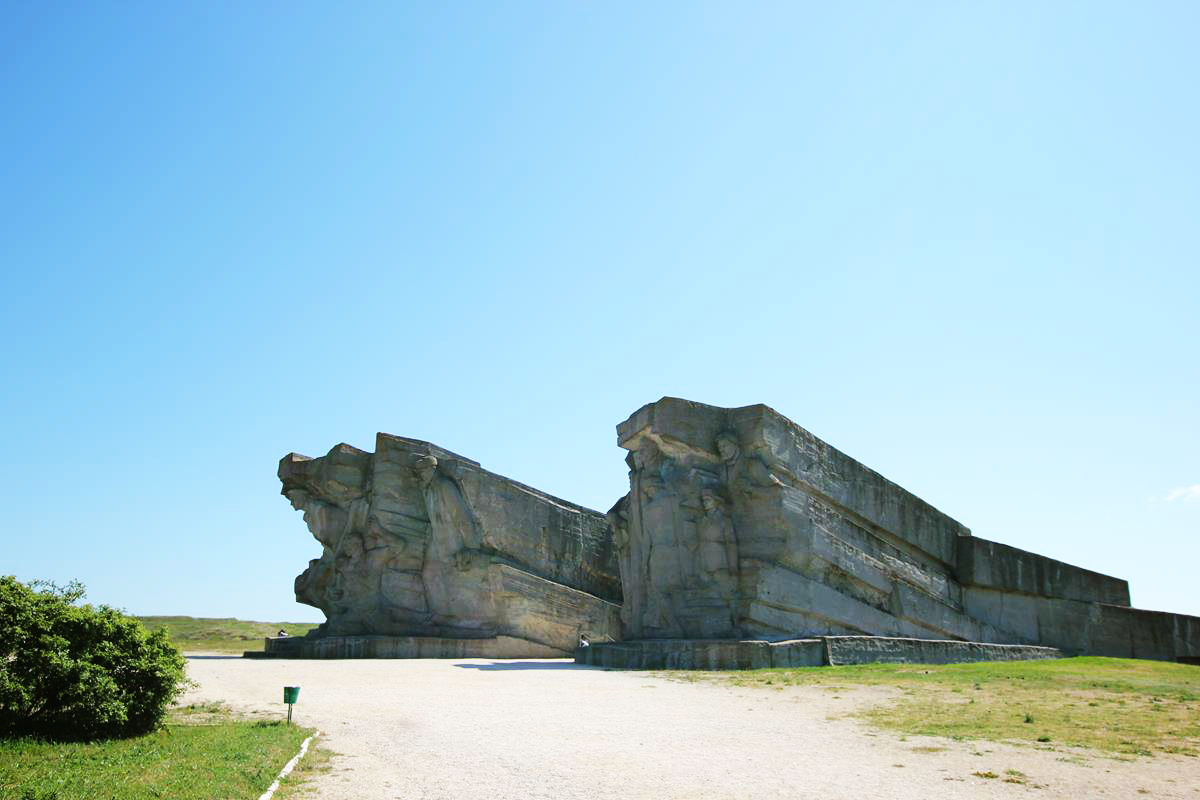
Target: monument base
x=721 y=654
x=402 y=647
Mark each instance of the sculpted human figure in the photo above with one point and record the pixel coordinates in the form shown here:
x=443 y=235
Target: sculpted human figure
x=716 y=556
x=742 y=472
x=323 y=583
x=627 y=564
x=327 y=522
x=716 y=552
x=455 y=567
x=660 y=546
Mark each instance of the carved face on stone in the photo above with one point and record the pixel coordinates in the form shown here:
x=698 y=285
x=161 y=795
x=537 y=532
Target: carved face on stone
x=324 y=521
x=727 y=447
x=646 y=456
x=711 y=501
x=425 y=468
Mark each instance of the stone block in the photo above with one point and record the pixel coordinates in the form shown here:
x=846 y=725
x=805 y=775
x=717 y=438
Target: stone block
x=421 y=546
x=702 y=654
x=306 y=647
x=846 y=650
x=739 y=525
x=992 y=565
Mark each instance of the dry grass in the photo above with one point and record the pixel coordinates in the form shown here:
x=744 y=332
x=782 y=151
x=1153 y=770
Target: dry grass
x=1119 y=706
x=221 y=635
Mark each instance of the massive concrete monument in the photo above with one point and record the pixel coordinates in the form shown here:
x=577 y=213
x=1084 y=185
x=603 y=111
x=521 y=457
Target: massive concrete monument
x=424 y=553
x=740 y=524
x=744 y=541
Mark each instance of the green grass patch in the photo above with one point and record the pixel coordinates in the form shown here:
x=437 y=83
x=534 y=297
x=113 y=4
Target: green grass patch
x=1124 y=706
x=217 y=635
x=316 y=762
x=201 y=754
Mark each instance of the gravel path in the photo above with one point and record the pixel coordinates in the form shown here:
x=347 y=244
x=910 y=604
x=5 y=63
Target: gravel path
x=461 y=729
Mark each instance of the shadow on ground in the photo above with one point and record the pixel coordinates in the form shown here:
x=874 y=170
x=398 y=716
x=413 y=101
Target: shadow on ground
x=207 y=658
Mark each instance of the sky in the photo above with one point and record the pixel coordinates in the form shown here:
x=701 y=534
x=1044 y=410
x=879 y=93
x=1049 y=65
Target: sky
x=956 y=241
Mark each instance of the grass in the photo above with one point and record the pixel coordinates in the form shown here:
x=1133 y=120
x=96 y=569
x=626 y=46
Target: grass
x=200 y=634
x=202 y=753
x=314 y=763
x=1120 y=706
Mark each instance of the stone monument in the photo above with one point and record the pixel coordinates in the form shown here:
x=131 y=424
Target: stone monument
x=426 y=554
x=745 y=540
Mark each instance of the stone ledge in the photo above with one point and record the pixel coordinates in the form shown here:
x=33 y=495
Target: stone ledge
x=843 y=650
x=725 y=654
x=702 y=654
x=402 y=647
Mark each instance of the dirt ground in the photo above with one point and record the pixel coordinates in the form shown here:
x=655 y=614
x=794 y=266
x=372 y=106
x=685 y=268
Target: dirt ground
x=460 y=729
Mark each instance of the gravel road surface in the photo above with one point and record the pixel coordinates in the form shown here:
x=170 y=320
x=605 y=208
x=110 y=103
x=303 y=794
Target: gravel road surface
x=462 y=729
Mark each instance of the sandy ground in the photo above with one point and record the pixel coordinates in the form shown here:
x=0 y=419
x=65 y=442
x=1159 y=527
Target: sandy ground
x=462 y=729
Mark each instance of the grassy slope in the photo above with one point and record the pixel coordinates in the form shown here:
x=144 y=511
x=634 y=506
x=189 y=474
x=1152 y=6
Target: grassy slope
x=198 y=756
x=1115 y=705
x=199 y=634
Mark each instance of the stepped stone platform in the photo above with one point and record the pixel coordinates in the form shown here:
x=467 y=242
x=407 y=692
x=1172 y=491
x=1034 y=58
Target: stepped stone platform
x=726 y=654
x=402 y=647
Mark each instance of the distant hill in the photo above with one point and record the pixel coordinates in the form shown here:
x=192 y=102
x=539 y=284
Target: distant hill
x=222 y=635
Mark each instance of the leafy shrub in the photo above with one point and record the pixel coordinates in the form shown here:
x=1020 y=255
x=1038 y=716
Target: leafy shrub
x=76 y=672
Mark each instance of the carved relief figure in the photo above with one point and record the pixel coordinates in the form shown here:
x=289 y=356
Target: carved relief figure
x=340 y=576
x=716 y=565
x=658 y=547
x=627 y=564
x=742 y=472
x=716 y=551
x=326 y=522
x=417 y=542
x=455 y=565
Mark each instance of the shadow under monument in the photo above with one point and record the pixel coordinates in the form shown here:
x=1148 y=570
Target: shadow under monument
x=210 y=658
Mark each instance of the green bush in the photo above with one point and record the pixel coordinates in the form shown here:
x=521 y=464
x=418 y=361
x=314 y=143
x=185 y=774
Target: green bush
x=76 y=672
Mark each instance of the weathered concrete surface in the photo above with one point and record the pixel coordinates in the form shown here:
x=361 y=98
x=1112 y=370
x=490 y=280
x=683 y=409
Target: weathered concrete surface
x=842 y=650
x=1080 y=628
x=991 y=565
x=722 y=654
x=821 y=544
x=401 y=647
x=703 y=654
x=739 y=524
x=421 y=542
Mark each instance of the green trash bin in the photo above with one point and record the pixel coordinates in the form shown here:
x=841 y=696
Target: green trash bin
x=290 y=695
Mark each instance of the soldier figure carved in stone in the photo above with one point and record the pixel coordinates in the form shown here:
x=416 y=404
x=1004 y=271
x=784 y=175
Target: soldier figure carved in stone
x=453 y=555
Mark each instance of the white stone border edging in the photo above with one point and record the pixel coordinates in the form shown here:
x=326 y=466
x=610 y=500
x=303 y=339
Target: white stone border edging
x=288 y=767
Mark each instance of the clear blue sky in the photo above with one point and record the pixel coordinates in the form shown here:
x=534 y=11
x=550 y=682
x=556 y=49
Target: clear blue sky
x=956 y=241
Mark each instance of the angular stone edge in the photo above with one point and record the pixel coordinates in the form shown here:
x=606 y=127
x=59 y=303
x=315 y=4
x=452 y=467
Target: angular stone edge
x=304 y=647
x=707 y=654
x=730 y=654
x=993 y=565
